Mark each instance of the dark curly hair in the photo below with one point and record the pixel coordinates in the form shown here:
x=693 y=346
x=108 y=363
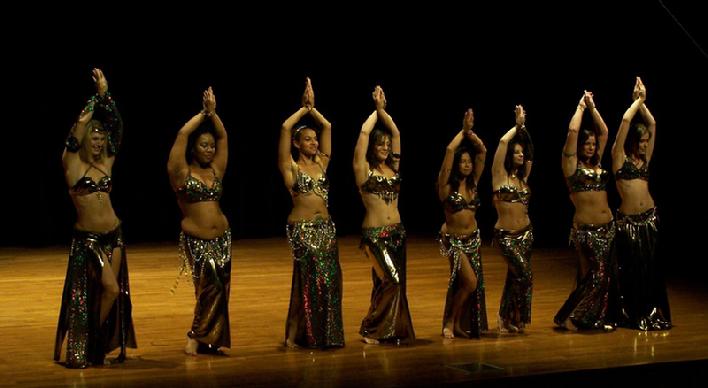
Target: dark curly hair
x=636 y=131
x=375 y=137
x=455 y=175
x=523 y=139
x=583 y=136
x=192 y=139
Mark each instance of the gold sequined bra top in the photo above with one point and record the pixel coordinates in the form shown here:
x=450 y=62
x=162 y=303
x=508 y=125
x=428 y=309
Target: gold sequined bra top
x=86 y=185
x=587 y=179
x=455 y=202
x=194 y=190
x=510 y=193
x=630 y=171
x=304 y=183
x=385 y=188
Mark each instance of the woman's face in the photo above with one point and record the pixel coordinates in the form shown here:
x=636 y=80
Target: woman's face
x=308 y=144
x=518 y=155
x=204 y=148
x=643 y=144
x=465 y=165
x=382 y=148
x=589 y=147
x=96 y=143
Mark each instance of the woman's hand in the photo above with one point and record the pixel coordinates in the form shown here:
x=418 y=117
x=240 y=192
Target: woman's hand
x=468 y=121
x=640 y=91
x=308 y=96
x=209 y=102
x=379 y=98
x=100 y=80
x=520 y=116
x=581 y=103
x=589 y=101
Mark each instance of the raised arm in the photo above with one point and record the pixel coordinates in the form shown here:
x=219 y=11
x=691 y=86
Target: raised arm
x=599 y=123
x=380 y=101
x=446 y=167
x=570 y=149
x=70 y=156
x=177 y=163
x=111 y=119
x=112 y=124
x=286 y=164
x=221 y=157
x=480 y=157
x=499 y=173
x=649 y=121
x=621 y=137
x=107 y=110
x=528 y=151
x=326 y=134
x=361 y=166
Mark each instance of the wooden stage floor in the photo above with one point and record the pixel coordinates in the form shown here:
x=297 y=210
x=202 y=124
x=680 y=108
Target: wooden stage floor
x=30 y=292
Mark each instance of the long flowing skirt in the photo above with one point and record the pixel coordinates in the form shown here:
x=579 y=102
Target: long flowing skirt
x=515 y=306
x=316 y=294
x=644 y=302
x=473 y=320
x=87 y=339
x=593 y=303
x=209 y=261
x=388 y=319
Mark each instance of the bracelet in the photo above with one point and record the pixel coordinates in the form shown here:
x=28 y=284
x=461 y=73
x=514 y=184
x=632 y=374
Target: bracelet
x=72 y=143
x=90 y=104
x=395 y=155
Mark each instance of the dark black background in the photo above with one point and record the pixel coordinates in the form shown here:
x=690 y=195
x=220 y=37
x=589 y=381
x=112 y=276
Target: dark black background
x=432 y=60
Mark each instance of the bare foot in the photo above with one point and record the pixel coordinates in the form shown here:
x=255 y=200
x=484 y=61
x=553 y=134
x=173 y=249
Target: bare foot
x=370 y=341
x=291 y=344
x=561 y=324
x=448 y=333
x=191 y=347
x=117 y=360
x=459 y=329
x=223 y=350
x=567 y=325
x=508 y=327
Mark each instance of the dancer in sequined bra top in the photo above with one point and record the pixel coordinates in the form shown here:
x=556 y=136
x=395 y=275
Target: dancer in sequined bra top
x=465 y=312
x=315 y=314
x=512 y=232
x=644 y=302
x=95 y=316
x=196 y=166
x=591 y=305
x=377 y=157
